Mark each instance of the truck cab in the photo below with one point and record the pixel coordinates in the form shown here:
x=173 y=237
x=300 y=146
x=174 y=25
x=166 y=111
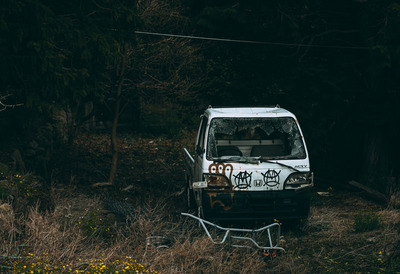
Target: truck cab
x=249 y=163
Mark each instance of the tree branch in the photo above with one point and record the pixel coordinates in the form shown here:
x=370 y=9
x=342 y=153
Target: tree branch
x=4 y=106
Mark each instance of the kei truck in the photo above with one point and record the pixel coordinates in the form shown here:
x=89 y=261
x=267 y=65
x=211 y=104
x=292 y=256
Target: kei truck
x=249 y=164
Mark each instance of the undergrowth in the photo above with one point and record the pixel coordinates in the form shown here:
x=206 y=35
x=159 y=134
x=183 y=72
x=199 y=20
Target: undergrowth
x=366 y=221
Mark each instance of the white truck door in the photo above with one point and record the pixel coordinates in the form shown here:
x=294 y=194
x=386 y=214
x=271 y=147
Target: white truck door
x=200 y=149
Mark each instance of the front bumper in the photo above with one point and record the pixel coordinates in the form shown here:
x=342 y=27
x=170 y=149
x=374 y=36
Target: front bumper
x=256 y=205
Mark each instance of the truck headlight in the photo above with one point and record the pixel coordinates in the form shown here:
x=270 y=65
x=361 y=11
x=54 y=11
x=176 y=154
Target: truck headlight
x=217 y=181
x=299 y=181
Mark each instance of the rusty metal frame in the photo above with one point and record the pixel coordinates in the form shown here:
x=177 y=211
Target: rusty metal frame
x=228 y=237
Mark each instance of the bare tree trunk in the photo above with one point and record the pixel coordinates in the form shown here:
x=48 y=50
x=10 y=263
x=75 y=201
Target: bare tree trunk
x=376 y=158
x=114 y=141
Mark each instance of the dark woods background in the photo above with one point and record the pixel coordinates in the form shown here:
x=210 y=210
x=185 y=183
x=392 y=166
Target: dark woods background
x=335 y=64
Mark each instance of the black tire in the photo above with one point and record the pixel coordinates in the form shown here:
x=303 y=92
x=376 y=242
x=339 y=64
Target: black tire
x=191 y=203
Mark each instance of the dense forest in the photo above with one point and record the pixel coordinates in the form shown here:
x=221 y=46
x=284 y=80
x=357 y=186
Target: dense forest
x=152 y=66
x=98 y=98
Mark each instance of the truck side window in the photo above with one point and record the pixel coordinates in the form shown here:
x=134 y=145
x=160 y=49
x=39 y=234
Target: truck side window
x=202 y=133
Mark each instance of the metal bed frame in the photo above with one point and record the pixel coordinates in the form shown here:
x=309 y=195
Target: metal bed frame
x=269 y=250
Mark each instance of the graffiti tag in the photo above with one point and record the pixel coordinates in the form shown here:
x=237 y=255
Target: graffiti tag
x=271 y=178
x=243 y=180
x=226 y=204
x=219 y=168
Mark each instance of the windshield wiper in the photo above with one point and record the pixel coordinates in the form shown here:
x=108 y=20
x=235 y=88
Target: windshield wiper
x=249 y=160
x=278 y=163
x=237 y=159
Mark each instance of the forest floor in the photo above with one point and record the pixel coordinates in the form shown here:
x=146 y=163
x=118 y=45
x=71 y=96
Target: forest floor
x=136 y=225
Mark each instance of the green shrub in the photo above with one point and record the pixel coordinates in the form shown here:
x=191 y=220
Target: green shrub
x=94 y=224
x=366 y=221
x=24 y=189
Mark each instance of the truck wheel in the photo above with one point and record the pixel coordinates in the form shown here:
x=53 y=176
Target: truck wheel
x=191 y=203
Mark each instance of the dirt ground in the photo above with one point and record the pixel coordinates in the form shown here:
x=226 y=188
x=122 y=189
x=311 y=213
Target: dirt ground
x=334 y=238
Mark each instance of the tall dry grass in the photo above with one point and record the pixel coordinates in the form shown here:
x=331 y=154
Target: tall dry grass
x=10 y=229
x=79 y=233
x=57 y=237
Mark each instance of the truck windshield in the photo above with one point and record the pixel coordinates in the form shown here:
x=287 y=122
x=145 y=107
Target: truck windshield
x=265 y=138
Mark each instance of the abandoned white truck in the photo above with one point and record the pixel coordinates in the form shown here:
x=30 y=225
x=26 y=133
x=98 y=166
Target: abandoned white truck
x=249 y=163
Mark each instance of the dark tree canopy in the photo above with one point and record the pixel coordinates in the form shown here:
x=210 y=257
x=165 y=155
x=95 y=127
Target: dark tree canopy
x=61 y=54
x=335 y=64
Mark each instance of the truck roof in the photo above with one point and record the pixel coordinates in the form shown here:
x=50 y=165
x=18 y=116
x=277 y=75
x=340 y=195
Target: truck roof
x=248 y=112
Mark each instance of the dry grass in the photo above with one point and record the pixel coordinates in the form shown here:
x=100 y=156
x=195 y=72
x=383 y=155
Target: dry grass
x=79 y=233
x=9 y=228
x=326 y=242
x=63 y=243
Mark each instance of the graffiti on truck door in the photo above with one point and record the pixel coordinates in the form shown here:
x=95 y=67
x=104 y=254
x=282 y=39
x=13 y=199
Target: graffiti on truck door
x=226 y=170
